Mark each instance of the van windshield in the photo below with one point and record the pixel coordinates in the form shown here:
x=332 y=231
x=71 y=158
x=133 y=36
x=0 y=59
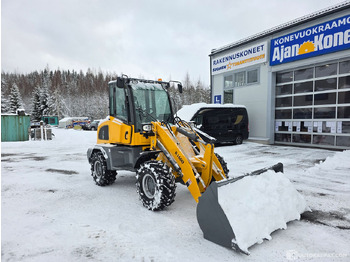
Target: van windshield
x=151 y=103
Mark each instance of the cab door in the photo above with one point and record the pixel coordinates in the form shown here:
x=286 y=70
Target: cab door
x=119 y=126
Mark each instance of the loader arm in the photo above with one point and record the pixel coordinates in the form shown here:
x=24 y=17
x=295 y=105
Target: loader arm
x=195 y=167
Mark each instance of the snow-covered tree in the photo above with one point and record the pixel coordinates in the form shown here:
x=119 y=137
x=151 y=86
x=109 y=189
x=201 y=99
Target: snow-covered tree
x=47 y=105
x=36 y=109
x=15 y=99
x=60 y=108
x=4 y=103
x=46 y=101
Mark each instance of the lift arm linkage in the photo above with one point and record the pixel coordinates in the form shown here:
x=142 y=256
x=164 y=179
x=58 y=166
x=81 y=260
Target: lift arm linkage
x=195 y=167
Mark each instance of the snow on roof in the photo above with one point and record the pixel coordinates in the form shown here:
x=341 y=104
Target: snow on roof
x=73 y=118
x=188 y=111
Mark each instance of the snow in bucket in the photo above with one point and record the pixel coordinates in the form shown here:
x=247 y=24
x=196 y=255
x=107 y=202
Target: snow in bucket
x=258 y=205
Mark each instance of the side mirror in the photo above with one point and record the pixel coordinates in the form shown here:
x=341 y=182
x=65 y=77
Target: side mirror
x=120 y=82
x=179 y=86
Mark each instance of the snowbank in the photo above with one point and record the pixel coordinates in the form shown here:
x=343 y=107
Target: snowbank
x=258 y=205
x=339 y=160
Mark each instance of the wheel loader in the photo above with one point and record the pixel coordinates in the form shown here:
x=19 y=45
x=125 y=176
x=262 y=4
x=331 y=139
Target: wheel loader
x=141 y=134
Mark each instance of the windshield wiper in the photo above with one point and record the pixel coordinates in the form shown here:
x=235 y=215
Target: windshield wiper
x=143 y=113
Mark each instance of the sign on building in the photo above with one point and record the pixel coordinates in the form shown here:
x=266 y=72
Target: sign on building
x=217 y=99
x=328 y=37
x=239 y=58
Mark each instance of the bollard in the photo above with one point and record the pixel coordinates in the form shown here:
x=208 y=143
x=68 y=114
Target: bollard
x=42 y=130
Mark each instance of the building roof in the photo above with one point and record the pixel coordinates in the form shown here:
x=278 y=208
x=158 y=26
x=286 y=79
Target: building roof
x=279 y=28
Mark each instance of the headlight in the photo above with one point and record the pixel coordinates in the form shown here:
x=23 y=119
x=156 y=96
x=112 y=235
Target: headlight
x=147 y=128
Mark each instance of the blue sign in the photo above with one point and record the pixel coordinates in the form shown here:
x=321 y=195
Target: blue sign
x=328 y=37
x=217 y=99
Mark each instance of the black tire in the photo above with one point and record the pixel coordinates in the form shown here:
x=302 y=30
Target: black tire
x=223 y=164
x=99 y=172
x=155 y=185
x=238 y=140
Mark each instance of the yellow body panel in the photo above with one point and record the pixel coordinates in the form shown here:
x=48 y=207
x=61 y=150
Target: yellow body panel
x=121 y=133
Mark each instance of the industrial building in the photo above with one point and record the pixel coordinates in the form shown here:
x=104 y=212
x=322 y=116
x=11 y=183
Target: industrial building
x=294 y=80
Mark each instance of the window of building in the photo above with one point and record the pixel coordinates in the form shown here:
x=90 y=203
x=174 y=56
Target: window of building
x=325 y=98
x=312 y=104
x=284 y=101
x=304 y=100
x=344 y=97
x=304 y=74
x=326 y=84
x=302 y=113
x=323 y=140
x=297 y=138
x=284 y=89
x=344 y=67
x=343 y=141
x=324 y=112
x=283 y=114
x=239 y=79
x=326 y=70
x=303 y=87
x=345 y=127
x=344 y=112
x=228 y=81
x=252 y=76
x=344 y=82
x=228 y=96
x=283 y=137
x=284 y=77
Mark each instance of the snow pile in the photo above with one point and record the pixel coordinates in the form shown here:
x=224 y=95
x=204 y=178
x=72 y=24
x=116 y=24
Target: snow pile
x=258 y=205
x=340 y=160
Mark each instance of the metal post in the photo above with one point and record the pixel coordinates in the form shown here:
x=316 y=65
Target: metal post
x=42 y=130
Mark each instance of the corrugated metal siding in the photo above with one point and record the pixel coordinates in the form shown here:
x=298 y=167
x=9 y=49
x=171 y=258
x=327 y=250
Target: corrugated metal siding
x=14 y=128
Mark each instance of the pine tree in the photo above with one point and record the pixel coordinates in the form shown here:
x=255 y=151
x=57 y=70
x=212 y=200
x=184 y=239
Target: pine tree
x=60 y=108
x=36 y=111
x=46 y=102
x=16 y=101
x=4 y=103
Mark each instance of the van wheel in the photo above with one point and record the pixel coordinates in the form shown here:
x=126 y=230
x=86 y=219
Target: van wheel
x=238 y=140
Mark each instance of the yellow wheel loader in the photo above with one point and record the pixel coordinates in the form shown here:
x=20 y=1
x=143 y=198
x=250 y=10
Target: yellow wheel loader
x=141 y=134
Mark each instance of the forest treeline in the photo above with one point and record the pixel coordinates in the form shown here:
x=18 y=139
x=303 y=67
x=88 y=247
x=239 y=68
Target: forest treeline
x=70 y=93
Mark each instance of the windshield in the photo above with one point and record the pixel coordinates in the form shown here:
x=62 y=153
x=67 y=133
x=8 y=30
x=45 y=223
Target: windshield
x=151 y=103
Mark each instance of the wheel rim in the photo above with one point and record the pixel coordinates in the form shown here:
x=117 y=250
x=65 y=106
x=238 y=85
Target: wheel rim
x=239 y=140
x=98 y=169
x=149 y=186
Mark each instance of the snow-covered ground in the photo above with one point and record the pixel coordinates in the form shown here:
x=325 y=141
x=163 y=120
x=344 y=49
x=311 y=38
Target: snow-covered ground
x=53 y=211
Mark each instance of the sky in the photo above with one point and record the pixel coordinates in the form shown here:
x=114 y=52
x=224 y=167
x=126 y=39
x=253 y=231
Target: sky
x=150 y=39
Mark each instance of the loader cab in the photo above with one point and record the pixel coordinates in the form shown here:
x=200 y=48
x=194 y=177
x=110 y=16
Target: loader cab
x=136 y=102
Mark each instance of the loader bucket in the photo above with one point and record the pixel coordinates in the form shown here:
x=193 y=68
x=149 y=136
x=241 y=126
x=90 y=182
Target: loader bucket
x=240 y=212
